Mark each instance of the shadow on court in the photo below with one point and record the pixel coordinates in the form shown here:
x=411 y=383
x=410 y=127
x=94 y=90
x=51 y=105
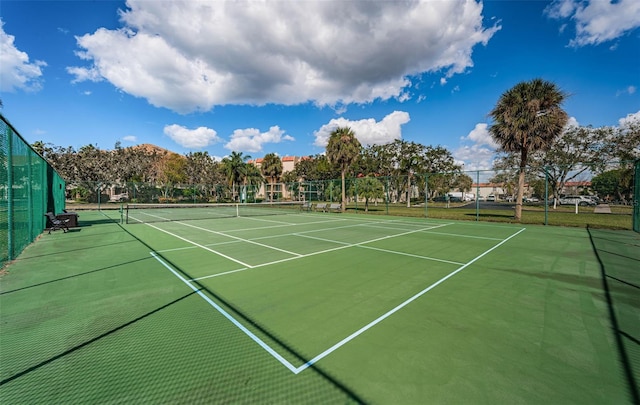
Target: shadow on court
x=349 y=395
x=125 y=331
x=619 y=258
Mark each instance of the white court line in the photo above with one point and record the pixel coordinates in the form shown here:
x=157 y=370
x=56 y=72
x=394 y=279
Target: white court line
x=397 y=308
x=463 y=236
x=200 y=246
x=297 y=370
x=383 y=250
x=240 y=239
x=247 y=332
x=267 y=220
x=219 y=274
x=229 y=242
x=343 y=247
x=409 y=254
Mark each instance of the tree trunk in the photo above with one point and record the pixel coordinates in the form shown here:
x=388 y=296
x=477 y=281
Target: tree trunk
x=409 y=190
x=523 y=167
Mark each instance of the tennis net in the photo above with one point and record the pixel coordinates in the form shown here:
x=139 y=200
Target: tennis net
x=145 y=213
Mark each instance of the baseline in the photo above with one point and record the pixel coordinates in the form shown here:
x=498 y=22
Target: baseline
x=286 y=363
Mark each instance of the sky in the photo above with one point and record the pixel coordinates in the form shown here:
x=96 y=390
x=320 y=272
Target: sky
x=277 y=76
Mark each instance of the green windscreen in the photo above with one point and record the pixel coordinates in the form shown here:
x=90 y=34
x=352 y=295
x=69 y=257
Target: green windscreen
x=29 y=187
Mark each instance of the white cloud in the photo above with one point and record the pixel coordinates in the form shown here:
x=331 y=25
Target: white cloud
x=597 y=21
x=633 y=118
x=572 y=122
x=367 y=131
x=480 y=136
x=477 y=150
x=251 y=139
x=628 y=90
x=192 y=55
x=191 y=138
x=83 y=74
x=130 y=138
x=16 y=72
x=474 y=157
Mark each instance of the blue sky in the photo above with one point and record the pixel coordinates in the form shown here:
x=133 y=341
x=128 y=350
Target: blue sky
x=278 y=76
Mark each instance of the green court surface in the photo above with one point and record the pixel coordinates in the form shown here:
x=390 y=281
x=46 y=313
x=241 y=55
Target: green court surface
x=321 y=308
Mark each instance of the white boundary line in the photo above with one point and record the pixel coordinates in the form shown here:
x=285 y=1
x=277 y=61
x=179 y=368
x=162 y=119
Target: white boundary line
x=230 y=318
x=397 y=308
x=200 y=246
x=285 y=362
x=382 y=250
x=240 y=239
x=294 y=255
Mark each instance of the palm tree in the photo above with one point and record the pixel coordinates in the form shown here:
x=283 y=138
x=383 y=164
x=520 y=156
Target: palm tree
x=369 y=188
x=253 y=179
x=235 y=169
x=271 y=169
x=342 y=150
x=527 y=118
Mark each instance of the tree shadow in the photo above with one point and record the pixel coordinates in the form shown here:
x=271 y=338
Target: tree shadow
x=618 y=257
x=352 y=395
x=322 y=383
x=74 y=276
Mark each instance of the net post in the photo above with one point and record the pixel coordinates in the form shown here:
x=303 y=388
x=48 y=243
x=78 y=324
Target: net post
x=238 y=210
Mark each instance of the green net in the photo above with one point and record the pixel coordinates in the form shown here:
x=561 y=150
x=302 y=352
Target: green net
x=144 y=213
x=29 y=187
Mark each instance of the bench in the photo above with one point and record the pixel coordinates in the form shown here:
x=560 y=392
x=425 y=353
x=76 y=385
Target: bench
x=335 y=207
x=306 y=206
x=321 y=207
x=56 y=223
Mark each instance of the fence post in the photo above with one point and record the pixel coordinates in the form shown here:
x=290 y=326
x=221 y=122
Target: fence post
x=10 y=222
x=386 y=195
x=636 y=197
x=546 y=196
x=478 y=196
x=355 y=187
x=426 y=194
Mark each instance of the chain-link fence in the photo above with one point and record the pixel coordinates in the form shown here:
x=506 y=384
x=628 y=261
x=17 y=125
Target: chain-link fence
x=599 y=195
x=29 y=187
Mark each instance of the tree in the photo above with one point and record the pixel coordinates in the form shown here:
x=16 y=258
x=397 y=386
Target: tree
x=409 y=159
x=292 y=184
x=171 y=171
x=202 y=172
x=527 y=118
x=369 y=188
x=342 y=150
x=235 y=169
x=271 y=168
x=618 y=183
x=463 y=182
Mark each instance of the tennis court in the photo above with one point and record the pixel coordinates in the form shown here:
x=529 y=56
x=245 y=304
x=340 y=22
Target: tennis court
x=302 y=307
